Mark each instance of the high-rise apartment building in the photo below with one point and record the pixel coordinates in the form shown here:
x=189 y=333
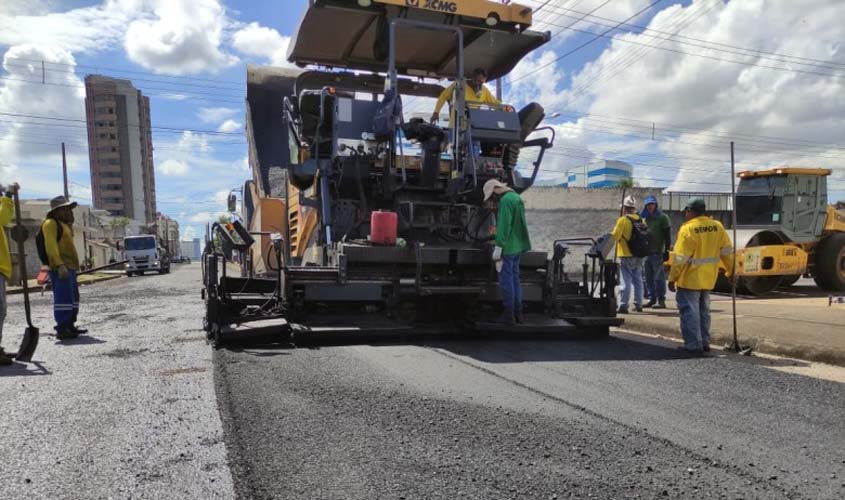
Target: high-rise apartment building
x=120 y=148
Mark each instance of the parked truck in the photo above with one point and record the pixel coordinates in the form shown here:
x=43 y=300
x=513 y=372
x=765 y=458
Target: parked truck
x=143 y=253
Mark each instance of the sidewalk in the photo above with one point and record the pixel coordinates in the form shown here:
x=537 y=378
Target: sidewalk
x=803 y=327
x=85 y=279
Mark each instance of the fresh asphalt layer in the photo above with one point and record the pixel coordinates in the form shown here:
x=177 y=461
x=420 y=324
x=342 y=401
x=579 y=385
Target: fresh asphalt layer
x=611 y=419
x=143 y=408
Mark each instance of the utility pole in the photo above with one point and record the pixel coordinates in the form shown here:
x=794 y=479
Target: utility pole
x=499 y=89
x=64 y=172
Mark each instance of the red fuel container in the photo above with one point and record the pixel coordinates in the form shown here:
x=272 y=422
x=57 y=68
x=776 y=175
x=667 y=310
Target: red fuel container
x=383 y=228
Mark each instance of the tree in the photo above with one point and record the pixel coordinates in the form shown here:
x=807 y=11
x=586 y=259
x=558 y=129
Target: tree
x=627 y=183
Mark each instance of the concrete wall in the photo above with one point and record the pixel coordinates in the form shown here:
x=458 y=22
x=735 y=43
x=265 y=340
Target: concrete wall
x=558 y=212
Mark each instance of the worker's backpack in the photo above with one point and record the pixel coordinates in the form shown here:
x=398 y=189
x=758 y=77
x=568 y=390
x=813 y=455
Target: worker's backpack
x=640 y=238
x=39 y=242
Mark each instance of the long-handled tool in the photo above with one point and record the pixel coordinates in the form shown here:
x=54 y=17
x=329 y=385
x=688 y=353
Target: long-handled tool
x=735 y=346
x=30 y=334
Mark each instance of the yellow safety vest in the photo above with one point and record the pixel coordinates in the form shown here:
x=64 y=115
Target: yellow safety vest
x=701 y=244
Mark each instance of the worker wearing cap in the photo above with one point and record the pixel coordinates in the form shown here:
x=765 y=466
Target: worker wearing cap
x=701 y=244
x=631 y=267
x=474 y=91
x=7 y=212
x=511 y=242
x=64 y=263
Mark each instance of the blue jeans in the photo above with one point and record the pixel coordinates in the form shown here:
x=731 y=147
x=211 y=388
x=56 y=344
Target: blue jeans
x=509 y=285
x=65 y=299
x=655 y=278
x=632 y=275
x=694 y=306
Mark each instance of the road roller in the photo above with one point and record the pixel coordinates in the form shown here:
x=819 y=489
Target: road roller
x=786 y=229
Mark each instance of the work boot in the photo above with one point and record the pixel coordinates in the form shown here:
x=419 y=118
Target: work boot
x=507 y=318
x=650 y=303
x=5 y=359
x=705 y=348
x=639 y=309
x=519 y=317
x=622 y=310
x=692 y=353
x=661 y=304
x=65 y=333
x=79 y=331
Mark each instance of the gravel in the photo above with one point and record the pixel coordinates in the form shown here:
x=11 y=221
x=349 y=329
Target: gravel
x=127 y=411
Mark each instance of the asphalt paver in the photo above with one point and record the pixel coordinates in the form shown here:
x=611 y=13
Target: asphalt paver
x=126 y=411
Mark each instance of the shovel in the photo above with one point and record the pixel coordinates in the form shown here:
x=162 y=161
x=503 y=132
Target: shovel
x=30 y=335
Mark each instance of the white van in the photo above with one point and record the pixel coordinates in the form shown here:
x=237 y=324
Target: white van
x=144 y=254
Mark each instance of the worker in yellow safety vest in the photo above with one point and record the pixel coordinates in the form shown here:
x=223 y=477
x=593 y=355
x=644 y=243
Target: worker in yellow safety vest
x=701 y=244
x=7 y=213
x=474 y=91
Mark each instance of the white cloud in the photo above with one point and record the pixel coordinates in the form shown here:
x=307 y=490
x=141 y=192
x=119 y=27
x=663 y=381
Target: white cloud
x=260 y=41
x=216 y=115
x=30 y=147
x=180 y=38
x=630 y=86
x=86 y=29
x=229 y=126
x=173 y=167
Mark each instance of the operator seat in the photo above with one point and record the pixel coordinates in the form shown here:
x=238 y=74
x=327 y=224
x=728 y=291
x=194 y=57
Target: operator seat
x=432 y=140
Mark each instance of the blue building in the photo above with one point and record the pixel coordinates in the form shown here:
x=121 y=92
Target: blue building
x=604 y=173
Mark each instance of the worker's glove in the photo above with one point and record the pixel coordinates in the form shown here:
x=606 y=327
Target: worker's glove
x=665 y=256
x=435 y=117
x=672 y=287
x=62 y=271
x=497 y=254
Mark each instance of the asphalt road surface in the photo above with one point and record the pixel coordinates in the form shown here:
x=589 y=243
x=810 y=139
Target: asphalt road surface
x=143 y=408
x=613 y=419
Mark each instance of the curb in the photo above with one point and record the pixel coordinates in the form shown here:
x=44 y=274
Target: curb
x=759 y=344
x=35 y=289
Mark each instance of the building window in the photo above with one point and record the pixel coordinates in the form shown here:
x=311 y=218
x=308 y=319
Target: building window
x=110 y=174
x=117 y=201
x=111 y=124
x=102 y=136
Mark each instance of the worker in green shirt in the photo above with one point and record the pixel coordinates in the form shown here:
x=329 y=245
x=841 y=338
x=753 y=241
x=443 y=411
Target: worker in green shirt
x=511 y=242
x=660 y=241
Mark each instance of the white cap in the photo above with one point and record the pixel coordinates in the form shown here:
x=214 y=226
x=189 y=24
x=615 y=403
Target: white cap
x=490 y=187
x=629 y=202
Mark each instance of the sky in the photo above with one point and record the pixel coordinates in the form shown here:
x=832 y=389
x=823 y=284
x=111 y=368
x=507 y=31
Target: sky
x=663 y=85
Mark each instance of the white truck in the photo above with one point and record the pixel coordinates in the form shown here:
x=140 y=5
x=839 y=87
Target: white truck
x=143 y=254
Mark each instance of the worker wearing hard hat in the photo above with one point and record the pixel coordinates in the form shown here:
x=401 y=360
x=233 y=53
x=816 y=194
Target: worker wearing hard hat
x=631 y=238
x=701 y=244
x=7 y=212
x=474 y=91
x=511 y=242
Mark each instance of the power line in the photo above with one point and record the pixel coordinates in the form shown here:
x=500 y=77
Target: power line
x=157 y=127
x=98 y=68
x=705 y=56
x=684 y=21
x=817 y=62
x=588 y=42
